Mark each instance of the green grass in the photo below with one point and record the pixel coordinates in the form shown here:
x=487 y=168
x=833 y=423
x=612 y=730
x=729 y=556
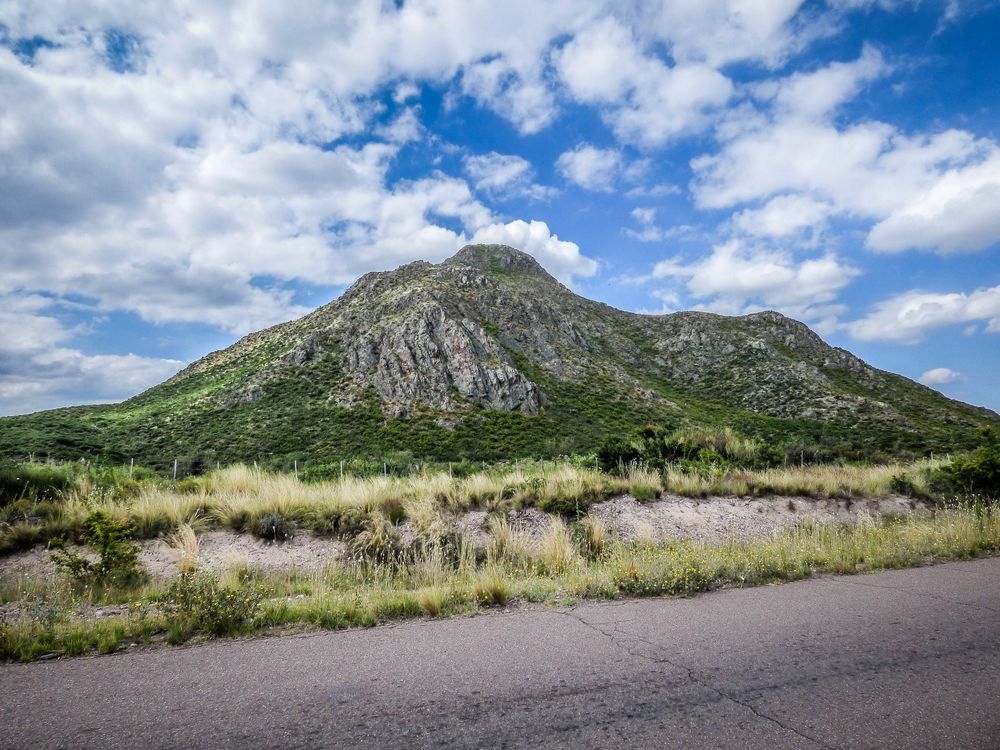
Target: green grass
x=561 y=570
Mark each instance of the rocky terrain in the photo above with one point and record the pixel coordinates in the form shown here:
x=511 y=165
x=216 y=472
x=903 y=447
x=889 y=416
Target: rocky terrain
x=485 y=356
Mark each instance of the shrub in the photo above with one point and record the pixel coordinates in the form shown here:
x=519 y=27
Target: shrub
x=108 y=539
x=975 y=474
x=491 y=587
x=274 y=527
x=617 y=453
x=593 y=535
x=199 y=602
x=349 y=522
x=34 y=482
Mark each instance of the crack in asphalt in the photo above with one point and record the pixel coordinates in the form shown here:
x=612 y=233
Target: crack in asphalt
x=614 y=637
x=925 y=594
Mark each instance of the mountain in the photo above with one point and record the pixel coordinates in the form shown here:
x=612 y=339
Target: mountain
x=486 y=356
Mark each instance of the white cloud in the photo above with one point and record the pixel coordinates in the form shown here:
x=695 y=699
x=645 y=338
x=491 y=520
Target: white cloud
x=815 y=95
x=505 y=175
x=648 y=230
x=959 y=212
x=939 y=376
x=907 y=318
x=650 y=101
x=933 y=192
x=37 y=370
x=718 y=32
x=591 y=167
x=782 y=216
x=736 y=278
x=561 y=258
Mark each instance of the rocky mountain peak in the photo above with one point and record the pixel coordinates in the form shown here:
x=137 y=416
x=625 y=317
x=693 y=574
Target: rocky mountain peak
x=498 y=259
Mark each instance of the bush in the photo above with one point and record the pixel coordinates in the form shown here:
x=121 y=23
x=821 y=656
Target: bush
x=198 y=602
x=568 y=505
x=33 y=482
x=108 y=539
x=274 y=528
x=975 y=474
x=617 y=453
x=379 y=543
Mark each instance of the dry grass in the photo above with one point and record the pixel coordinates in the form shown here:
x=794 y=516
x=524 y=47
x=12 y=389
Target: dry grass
x=184 y=542
x=556 y=551
x=814 y=481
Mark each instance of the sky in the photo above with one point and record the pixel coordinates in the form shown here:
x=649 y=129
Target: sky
x=175 y=175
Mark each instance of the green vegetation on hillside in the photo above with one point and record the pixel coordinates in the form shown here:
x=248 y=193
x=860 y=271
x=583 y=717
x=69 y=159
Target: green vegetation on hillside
x=485 y=357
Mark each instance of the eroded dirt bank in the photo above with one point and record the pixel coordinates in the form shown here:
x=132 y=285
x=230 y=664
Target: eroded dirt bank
x=714 y=519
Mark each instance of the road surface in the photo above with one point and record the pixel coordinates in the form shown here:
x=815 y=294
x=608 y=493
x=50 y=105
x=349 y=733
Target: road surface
x=905 y=659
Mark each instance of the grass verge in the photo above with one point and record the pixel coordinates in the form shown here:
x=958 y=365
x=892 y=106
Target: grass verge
x=567 y=565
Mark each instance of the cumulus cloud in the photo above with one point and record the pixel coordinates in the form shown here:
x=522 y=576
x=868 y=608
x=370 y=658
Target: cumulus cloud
x=925 y=191
x=648 y=230
x=591 y=167
x=38 y=370
x=958 y=212
x=505 y=176
x=736 y=278
x=561 y=258
x=782 y=216
x=648 y=100
x=939 y=376
x=907 y=318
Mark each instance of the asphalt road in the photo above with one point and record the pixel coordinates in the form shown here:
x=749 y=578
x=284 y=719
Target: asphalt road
x=907 y=659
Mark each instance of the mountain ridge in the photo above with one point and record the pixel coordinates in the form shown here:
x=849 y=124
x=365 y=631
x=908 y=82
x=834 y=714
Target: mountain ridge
x=487 y=355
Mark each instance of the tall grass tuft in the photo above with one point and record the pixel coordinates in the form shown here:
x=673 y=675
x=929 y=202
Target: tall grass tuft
x=184 y=542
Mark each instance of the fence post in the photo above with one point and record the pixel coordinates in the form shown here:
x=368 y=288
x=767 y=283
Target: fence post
x=175 y=469
x=295 y=466
x=131 y=466
x=385 y=470
x=449 y=469
x=341 y=470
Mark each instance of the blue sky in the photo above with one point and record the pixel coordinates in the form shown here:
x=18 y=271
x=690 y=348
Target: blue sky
x=174 y=177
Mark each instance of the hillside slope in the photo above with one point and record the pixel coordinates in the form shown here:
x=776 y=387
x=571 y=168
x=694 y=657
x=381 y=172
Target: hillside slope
x=487 y=356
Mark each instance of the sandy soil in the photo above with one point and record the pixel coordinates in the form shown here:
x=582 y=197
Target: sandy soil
x=711 y=520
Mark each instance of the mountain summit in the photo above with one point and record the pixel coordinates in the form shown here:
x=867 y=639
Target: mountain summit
x=487 y=355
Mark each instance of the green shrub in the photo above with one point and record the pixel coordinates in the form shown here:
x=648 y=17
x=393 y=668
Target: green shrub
x=567 y=505
x=616 y=454
x=378 y=543
x=117 y=557
x=349 y=522
x=975 y=474
x=198 y=602
x=33 y=482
